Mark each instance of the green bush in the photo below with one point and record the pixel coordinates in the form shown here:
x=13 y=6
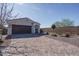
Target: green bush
x=1 y=41
x=53 y=26
x=3 y=32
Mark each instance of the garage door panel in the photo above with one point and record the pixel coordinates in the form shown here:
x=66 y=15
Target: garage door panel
x=21 y=29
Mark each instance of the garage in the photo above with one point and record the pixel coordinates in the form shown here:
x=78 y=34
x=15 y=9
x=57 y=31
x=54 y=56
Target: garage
x=21 y=29
x=23 y=26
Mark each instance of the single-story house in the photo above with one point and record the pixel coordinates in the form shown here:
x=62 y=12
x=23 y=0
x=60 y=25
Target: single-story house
x=23 y=26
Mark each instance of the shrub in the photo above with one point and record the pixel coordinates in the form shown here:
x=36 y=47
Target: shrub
x=53 y=26
x=66 y=35
x=1 y=41
x=4 y=31
x=47 y=33
x=77 y=33
x=54 y=34
x=41 y=31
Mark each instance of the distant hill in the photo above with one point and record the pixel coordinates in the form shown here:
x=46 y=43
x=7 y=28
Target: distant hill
x=71 y=30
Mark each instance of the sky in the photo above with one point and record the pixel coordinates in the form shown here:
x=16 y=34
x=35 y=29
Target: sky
x=48 y=13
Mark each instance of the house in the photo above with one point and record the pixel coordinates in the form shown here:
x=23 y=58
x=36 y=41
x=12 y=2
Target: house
x=23 y=26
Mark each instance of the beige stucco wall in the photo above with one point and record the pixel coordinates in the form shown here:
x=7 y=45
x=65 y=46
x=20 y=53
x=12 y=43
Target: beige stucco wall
x=9 y=32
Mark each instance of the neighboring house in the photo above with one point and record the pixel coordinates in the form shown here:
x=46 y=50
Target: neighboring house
x=23 y=26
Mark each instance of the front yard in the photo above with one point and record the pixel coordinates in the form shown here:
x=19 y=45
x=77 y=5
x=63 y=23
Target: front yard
x=42 y=46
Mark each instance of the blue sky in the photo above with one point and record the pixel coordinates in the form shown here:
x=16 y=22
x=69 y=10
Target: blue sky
x=47 y=14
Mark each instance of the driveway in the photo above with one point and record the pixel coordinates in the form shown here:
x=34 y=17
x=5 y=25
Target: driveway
x=24 y=36
x=39 y=46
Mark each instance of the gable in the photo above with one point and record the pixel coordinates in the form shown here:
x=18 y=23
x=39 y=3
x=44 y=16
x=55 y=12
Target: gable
x=22 y=21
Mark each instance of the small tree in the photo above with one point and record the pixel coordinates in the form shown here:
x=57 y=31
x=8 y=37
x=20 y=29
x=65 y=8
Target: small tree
x=53 y=26
x=64 y=23
x=5 y=14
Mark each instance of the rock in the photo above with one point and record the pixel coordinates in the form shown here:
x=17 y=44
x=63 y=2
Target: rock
x=21 y=50
x=11 y=50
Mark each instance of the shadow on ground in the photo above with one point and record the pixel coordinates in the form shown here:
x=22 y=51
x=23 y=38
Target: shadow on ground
x=15 y=36
x=7 y=40
x=70 y=40
x=1 y=48
x=1 y=53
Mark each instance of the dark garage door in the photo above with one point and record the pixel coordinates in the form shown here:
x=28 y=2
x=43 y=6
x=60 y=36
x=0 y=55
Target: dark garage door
x=21 y=29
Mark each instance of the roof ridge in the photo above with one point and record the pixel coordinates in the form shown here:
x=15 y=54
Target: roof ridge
x=26 y=18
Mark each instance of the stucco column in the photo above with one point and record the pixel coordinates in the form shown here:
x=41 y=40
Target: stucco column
x=33 y=29
x=9 y=32
x=39 y=30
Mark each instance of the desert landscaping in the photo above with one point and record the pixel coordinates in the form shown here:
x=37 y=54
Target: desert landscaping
x=39 y=29
x=44 y=45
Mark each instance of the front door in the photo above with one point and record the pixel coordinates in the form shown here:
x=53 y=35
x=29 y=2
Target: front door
x=36 y=31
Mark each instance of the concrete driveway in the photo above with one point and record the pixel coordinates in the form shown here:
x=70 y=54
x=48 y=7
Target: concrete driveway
x=24 y=36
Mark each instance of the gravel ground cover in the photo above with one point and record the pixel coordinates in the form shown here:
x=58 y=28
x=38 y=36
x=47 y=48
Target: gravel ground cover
x=41 y=46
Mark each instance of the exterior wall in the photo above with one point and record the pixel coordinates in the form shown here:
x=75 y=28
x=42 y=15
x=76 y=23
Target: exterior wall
x=33 y=30
x=34 y=27
x=9 y=32
x=39 y=30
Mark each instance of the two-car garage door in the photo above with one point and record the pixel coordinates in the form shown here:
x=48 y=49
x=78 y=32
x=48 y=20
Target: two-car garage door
x=21 y=29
